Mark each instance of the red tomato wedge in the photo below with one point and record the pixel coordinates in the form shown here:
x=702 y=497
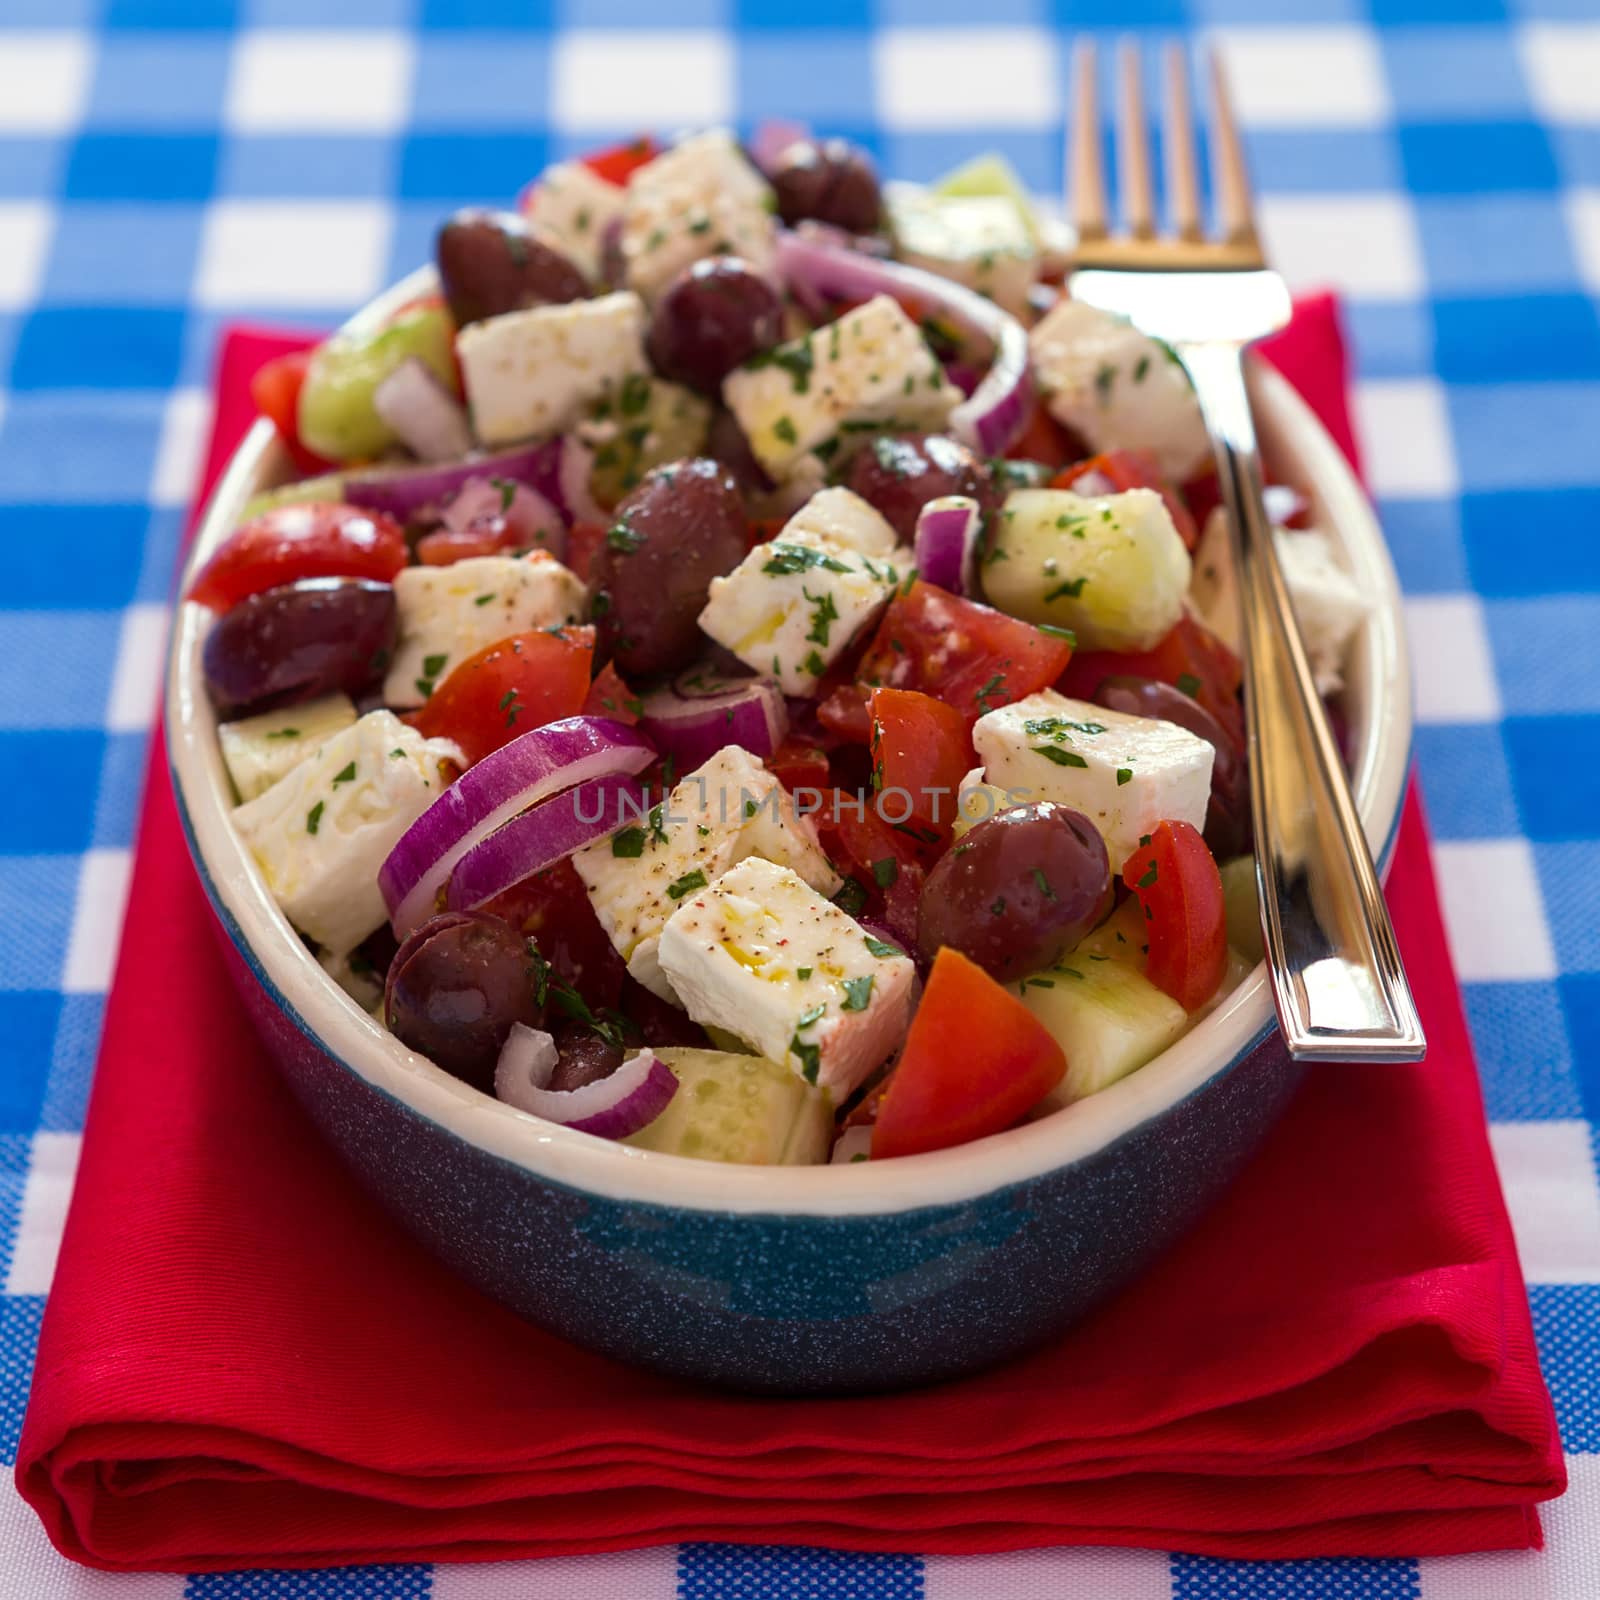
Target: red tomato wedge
x=276 y=391
x=553 y=908
x=799 y=764
x=1133 y=469
x=1045 y=440
x=618 y=162
x=920 y=753
x=1191 y=658
x=315 y=539
x=888 y=863
x=583 y=541
x=519 y=683
x=975 y=1062
x=970 y=656
x=1178 y=885
x=610 y=697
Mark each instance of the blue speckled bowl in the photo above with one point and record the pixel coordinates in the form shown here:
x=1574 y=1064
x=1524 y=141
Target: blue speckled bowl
x=805 y=1279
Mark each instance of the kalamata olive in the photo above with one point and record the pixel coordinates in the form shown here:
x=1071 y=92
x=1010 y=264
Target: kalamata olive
x=299 y=641
x=1227 y=828
x=490 y=263
x=713 y=316
x=726 y=442
x=1017 y=890
x=900 y=473
x=582 y=1057
x=682 y=527
x=831 y=181
x=454 y=990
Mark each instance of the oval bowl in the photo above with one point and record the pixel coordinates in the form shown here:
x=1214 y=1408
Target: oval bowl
x=796 y=1279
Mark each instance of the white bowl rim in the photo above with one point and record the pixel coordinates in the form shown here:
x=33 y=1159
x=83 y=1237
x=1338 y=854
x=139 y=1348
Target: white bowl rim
x=1379 y=678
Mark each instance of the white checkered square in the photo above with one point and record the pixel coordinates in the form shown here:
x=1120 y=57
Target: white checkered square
x=184 y=428
x=25 y=227
x=1361 y=244
x=52 y=1165
x=96 y=921
x=1312 y=77
x=320 y=82
x=1049 y=1575
x=1493 y=910
x=1404 y=428
x=136 y=679
x=624 y=81
x=966 y=77
x=30 y=1569
x=43 y=80
x=637 y=1574
x=1583 y=224
x=1548 y=1174
x=1561 y=62
x=266 y=253
x=1452 y=668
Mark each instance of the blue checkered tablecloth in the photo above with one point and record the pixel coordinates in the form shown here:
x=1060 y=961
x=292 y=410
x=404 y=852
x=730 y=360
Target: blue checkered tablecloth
x=166 y=167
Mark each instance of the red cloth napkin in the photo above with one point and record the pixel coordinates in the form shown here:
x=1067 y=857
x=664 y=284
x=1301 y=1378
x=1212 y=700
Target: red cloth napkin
x=243 y=1362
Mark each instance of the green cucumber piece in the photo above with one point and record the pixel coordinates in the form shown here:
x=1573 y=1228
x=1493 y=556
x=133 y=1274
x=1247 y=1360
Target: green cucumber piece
x=330 y=486
x=739 y=1108
x=992 y=175
x=336 y=415
x=1121 y=937
x=260 y=750
x=1241 y=906
x=647 y=423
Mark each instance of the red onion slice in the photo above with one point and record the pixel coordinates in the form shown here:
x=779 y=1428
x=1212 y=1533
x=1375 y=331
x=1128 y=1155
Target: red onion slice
x=700 y=712
x=543 y=835
x=404 y=491
x=517 y=775
x=991 y=419
x=429 y=419
x=946 y=542
x=573 y=469
x=611 y=1107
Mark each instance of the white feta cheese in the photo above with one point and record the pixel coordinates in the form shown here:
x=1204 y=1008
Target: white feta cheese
x=726 y=809
x=982 y=241
x=1118 y=388
x=258 y=751
x=320 y=834
x=529 y=374
x=449 y=613
x=1327 y=603
x=843 y=517
x=700 y=198
x=570 y=209
x=1124 y=773
x=794 y=604
x=871 y=367
x=762 y=954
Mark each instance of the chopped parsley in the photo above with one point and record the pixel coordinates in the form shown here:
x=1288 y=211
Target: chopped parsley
x=1149 y=877
x=508 y=492
x=1141 y=368
x=787 y=559
x=796 y=359
x=346 y=774
x=1044 y=883
x=1060 y=727
x=657 y=832
x=432 y=666
x=629 y=843
x=1188 y=684
x=284 y=733
x=1062 y=758
x=1103 y=379
x=809 y=1056
x=852 y=899
x=802 y=973
x=784 y=429
x=985 y=696
x=878 y=947
x=857 y=992
x=886 y=871
x=1057 y=633
x=998 y=907
x=687 y=884
x=1071 y=589
x=509 y=705
x=1124 y=775
x=815 y=665
x=397 y=754
x=621 y=537
x=824 y=613
x=483 y=599
x=314 y=817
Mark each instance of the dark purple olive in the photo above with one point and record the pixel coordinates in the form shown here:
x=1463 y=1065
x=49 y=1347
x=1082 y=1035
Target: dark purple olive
x=713 y=317
x=582 y=1057
x=682 y=527
x=1227 y=828
x=299 y=641
x=831 y=181
x=1017 y=890
x=490 y=263
x=900 y=473
x=455 y=988
x=726 y=442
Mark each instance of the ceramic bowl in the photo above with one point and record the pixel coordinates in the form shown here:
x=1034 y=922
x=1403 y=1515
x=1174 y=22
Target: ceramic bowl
x=809 y=1279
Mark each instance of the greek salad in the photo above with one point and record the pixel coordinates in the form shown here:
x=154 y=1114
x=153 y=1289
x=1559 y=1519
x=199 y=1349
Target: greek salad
x=747 y=668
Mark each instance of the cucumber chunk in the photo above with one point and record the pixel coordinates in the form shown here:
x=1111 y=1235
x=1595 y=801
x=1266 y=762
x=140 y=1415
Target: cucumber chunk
x=330 y=486
x=336 y=415
x=1241 y=906
x=1112 y=568
x=1108 y=1018
x=258 y=751
x=1121 y=937
x=648 y=423
x=740 y=1108
x=989 y=175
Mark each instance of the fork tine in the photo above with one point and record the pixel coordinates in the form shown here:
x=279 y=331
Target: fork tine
x=1133 y=146
x=1183 y=181
x=1088 y=175
x=1228 y=173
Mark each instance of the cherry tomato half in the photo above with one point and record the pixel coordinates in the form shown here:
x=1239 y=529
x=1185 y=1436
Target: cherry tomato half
x=1133 y=469
x=1178 y=885
x=920 y=753
x=275 y=388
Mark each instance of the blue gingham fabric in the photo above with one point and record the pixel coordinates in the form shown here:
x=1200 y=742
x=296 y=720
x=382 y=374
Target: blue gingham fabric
x=167 y=165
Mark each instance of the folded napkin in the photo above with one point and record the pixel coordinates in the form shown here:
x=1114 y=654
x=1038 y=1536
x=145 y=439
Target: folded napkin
x=243 y=1362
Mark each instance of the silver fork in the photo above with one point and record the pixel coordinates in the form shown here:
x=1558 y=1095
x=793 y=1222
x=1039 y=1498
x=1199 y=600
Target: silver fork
x=1337 y=978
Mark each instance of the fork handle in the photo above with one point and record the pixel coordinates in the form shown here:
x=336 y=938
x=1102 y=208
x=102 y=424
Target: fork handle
x=1337 y=977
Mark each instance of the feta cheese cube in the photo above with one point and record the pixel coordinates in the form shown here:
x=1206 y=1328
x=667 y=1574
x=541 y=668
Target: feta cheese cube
x=1124 y=773
x=449 y=613
x=728 y=808
x=320 y=834
x=982 y=241
x=871 y=367
x=1118 y=388
x=700 y=198
x=570 y=209
x=794 y=604
x=762 y=954
x=532 y=373
x=258 y=751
